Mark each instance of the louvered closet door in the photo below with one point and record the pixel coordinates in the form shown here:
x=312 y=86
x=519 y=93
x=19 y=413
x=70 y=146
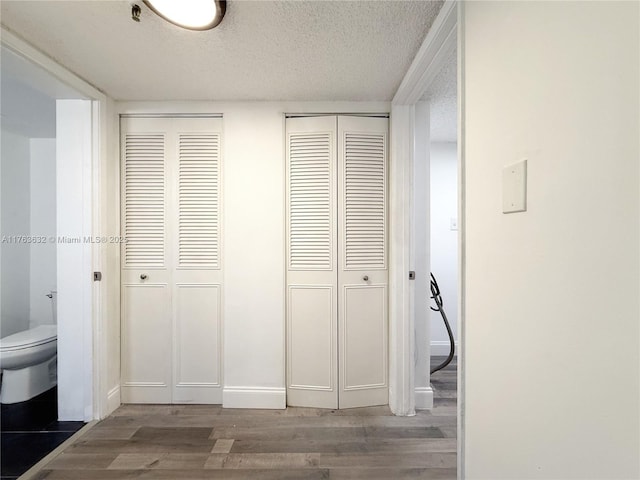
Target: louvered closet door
x=146 y=304
x=311 y=263
x=197 y=268
x=363 y=271
x=171 y=270
x=337 y=323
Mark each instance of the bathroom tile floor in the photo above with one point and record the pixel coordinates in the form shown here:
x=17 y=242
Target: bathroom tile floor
x=29 y=431
x=197 y=442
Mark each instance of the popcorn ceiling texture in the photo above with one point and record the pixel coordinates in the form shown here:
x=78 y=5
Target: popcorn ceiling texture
x=262 y=50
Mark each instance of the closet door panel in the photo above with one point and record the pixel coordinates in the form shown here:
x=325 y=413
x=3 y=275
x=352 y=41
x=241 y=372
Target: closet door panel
x=197 y=273
x=311 y=337
x=197 y=340
x=146 y=301
x=146 y=344
x=311 y=258
x=363 y=276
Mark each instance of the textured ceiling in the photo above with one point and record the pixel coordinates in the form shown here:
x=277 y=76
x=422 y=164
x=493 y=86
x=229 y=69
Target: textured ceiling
x=262 y=50
x=442 y=96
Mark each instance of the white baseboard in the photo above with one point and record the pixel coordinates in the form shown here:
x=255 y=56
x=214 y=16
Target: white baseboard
x=254 y=397
x=441 y=348
x=113 y=400
x=424 y=398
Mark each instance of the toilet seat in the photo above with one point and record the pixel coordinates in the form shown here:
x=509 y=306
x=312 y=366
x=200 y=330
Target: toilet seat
x=29 y=338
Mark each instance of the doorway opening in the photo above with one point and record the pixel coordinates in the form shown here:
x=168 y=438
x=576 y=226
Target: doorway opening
x=46 y=145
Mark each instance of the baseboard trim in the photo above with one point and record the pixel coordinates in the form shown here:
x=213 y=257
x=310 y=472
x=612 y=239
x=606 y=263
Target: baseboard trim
x=424 y=398
x=254 y=397
x=440 y=348
x=113 y=400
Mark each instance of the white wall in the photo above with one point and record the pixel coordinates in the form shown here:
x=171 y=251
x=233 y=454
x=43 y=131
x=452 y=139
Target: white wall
x=552 y=295
x=14 y=221
x=73 y=212
x=253 y=239
x=42 y=192
x=444 y=240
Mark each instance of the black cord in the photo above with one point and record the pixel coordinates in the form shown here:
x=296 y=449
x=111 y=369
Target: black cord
x=435 y=296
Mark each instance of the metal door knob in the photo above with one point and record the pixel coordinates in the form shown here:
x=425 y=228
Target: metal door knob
x=143 y=276
x=365 y=278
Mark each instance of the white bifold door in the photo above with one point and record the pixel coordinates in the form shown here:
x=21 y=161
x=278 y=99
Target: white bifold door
x=171 y=269
x=337 y=277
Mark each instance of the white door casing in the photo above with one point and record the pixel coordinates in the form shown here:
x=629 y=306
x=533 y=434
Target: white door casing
x=171 y=268
x=337 y=322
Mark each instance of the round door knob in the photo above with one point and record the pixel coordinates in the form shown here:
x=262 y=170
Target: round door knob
x=143 y=276
x=365 y=278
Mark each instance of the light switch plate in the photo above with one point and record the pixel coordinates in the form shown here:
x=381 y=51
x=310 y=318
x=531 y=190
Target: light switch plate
x=453 y=225
x=514 y=187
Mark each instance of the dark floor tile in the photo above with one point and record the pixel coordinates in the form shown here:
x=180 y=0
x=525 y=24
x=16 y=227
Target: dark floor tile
x=20 y=451
x=32 y=415
x=64 y=426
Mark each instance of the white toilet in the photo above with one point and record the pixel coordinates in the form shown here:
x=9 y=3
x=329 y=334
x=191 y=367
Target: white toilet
x=28 y=361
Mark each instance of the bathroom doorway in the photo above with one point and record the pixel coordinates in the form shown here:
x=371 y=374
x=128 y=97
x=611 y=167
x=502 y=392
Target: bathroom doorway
x=45 y=391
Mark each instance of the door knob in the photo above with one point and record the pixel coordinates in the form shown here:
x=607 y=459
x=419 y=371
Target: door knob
x=143 y=276
x=365 y=278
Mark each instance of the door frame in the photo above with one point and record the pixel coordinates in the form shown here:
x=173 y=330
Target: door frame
x=95 y=343
x=445 y=34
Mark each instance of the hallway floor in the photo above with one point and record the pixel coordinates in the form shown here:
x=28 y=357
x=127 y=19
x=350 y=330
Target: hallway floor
x=190 y=442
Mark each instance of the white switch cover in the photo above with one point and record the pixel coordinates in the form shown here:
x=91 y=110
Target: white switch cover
x=454 y=224
x=514 y=187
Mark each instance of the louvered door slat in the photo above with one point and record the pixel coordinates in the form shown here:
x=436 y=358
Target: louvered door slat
x=198 y=198
x=144 y=196
x=310 y=201
x=365 y=185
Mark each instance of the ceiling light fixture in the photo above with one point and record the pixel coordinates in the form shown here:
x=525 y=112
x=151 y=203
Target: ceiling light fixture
x=190 y=14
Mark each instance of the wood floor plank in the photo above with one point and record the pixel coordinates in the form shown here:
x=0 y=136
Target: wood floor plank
x=449 y=432
x=223 y=445
x=290 y=433
x=74 y=461
x=165 y=445
x=211 y=474
x=397 y=460
x=370 y=446
x=400 y=432
x=392 y=474
x=160 y=421
x=163 y=461
x=261 y=461
x=111 y=433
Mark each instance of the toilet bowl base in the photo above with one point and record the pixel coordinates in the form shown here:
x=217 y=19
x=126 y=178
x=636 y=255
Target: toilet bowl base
x=26 y=383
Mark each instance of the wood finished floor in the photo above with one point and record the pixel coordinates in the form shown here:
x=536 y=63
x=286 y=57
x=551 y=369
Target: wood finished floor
x=197 y=442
